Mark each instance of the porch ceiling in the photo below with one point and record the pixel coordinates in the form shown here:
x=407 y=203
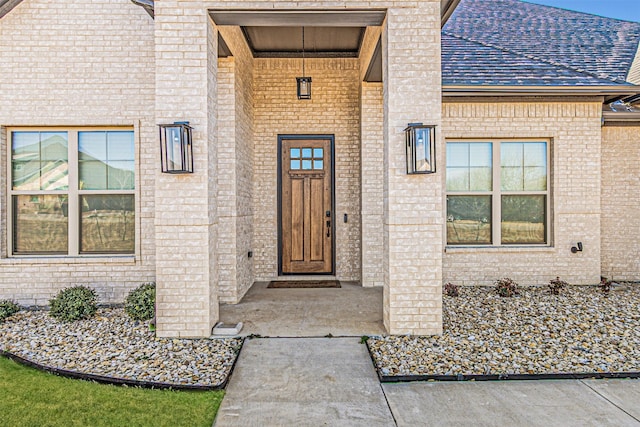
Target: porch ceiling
x=327 y=33
x=318 y=41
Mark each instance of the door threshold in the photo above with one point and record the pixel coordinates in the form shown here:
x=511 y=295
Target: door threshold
x=305 y=277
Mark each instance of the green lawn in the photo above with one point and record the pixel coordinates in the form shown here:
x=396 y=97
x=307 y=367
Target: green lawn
x=32 y=398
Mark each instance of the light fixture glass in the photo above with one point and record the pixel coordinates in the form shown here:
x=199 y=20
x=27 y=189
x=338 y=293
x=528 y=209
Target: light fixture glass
x=303 y=83
x=176 y=152
x=421 y=148
x=304 y=87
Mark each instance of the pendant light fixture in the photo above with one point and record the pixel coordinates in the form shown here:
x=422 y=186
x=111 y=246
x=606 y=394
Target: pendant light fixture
x=304 y=83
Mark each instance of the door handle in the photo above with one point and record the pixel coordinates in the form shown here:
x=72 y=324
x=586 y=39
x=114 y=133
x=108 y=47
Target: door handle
x=328 y=228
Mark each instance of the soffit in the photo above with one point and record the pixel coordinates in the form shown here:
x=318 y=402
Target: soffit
x=374 y=71
x=327 y=33
x=318 y=41
x=617 y=112
x=610 y=93
x=301 y=18
x=342 y=17
x=223 y=48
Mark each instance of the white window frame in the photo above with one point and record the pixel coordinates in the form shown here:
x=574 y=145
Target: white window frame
x=496 y=194
x=73 y=192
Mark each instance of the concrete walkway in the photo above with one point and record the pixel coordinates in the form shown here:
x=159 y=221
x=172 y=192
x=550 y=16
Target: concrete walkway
x=331 y=382
x=304 y=382
x=517 y=403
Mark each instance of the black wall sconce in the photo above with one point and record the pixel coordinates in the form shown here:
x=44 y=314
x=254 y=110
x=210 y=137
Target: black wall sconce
x=575 y=248
x=421 y=148
x=176 y=151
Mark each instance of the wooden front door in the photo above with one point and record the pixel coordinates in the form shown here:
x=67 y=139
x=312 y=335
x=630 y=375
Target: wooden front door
x=306 y=210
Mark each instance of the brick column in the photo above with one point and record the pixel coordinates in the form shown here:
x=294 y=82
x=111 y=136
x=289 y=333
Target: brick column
x=227 y=191
x=413 y=208
x=372 y=172
x=185 y=210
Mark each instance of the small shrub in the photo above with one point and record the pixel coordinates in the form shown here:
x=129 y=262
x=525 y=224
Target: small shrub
x=8 y=309
x=141 y=302
x=451 y=290
x=75 y=303
x=605 y=285
x=556 y=285
x=506 y=287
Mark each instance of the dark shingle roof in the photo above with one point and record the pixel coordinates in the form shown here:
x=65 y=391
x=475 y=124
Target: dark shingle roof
x=471 y=63
x=510 y=42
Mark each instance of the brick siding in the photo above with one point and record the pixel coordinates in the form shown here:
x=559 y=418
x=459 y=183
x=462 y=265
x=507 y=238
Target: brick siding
x=620 y=201
x=574 y=128
x=80 y=63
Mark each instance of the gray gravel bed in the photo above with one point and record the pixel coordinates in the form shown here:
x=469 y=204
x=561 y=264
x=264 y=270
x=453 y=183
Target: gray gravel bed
x=111 y=344
x=579 y=331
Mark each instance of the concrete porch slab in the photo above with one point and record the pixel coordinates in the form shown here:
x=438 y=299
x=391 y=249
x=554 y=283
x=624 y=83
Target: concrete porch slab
x=544 y=403
x=351 y=310
x=304 y=382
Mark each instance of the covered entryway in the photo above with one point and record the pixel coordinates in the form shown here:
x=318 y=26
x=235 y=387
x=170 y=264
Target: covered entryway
x=384 y=227
x=289 y=169
x=306 y=204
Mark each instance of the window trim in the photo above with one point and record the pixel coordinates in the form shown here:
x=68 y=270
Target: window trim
x=496 y=202
x=73 y=192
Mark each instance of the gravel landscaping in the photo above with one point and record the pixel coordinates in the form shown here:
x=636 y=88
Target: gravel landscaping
x=113 y=345
x=582 y=330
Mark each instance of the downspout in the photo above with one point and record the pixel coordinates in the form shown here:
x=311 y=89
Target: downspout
x=147 y=5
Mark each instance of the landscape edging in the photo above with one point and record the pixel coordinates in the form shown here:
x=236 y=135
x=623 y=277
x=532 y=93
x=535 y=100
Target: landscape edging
x=102 y=379
x=498 y=377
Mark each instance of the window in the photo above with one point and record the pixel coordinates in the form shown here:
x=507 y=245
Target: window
x=307 y=158
x=72 y=191
x=497 y=193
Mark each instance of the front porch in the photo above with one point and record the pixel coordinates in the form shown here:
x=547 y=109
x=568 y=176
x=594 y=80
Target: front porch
x=351 y=310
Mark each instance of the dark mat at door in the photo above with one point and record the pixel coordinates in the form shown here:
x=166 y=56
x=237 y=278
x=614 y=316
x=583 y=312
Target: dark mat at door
x=304 y=284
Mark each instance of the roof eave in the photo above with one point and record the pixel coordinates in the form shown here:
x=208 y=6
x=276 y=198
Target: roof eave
x=447 y=7
x=147 y=5
x=620 y=117
x=610 y=92
x=7 y=6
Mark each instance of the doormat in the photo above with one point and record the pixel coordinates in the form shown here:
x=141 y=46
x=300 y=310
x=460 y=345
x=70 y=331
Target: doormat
x=302 y=284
